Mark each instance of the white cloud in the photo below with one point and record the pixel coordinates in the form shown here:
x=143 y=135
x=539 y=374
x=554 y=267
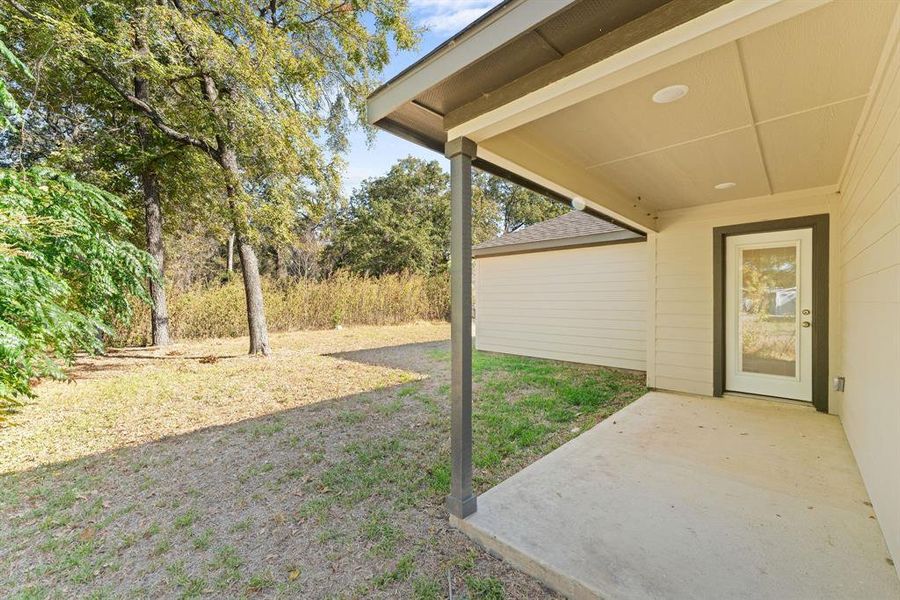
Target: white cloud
x=449 y=16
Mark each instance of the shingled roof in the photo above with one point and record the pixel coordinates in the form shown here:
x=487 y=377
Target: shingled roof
x=573 y=229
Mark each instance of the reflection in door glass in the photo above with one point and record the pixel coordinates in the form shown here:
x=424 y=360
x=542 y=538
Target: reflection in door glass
x=768 y=305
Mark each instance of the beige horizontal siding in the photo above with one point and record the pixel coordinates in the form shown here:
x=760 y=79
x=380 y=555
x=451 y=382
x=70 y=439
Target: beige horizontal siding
x=683 y=330
x=586 y=305
x=869 y=236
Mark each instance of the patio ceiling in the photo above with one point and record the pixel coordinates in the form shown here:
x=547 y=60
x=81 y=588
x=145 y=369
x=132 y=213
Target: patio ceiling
x=776 y=93
x=773 y=111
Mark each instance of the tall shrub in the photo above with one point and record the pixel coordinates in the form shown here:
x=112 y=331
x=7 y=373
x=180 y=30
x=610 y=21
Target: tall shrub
x=66 y=272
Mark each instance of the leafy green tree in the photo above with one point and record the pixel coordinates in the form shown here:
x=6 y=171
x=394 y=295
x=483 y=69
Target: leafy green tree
x=518 y=206
x=400 y=222
x=265 y=90
x=66 y=271
x=9 y=108
x=84 y=130
x=394 y=223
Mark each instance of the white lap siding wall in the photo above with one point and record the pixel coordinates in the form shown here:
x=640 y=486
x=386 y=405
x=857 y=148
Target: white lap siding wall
x=869 y=239
x=586 y=305
x=682 y=351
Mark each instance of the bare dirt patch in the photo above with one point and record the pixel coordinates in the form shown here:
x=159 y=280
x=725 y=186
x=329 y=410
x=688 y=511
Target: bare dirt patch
x=317 y=473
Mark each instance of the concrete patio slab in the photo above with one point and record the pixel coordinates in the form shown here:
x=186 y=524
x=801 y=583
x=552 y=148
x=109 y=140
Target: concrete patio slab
x=694 y=497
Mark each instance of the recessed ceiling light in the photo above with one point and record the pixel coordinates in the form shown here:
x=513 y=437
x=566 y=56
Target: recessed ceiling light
x=725 y=185
x=670 y=94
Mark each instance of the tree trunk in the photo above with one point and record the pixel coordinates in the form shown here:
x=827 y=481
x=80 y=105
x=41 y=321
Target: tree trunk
x=230 y=266
x=159 y=311
x=282 y=256
x=227 y=159
x=256 y=316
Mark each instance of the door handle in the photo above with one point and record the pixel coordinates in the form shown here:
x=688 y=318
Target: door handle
x=805 y=324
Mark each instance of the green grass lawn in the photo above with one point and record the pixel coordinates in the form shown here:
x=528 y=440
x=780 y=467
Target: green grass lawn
x=526 y=407
x=341 y=497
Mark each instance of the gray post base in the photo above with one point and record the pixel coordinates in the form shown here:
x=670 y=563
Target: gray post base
x=462 y=508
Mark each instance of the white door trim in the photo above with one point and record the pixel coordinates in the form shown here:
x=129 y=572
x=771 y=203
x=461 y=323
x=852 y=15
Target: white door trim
x=820 y=224
x=739 y=377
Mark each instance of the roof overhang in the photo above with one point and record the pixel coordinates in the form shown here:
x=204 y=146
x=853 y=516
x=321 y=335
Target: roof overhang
x=517 y=44
x=513 y=40
x=502 y=81
x=673 y=33
x=491 y=31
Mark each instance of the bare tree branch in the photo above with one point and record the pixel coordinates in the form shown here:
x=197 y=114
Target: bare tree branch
x=150 y=112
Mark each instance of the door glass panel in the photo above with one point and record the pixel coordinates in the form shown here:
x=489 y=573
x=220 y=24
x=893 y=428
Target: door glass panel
x=768 y=309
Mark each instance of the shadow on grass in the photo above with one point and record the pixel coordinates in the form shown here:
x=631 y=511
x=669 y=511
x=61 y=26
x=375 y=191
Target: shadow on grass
x=272 y=504
x=171 y=357
x=340 y=497
x=523 y=407
x=84 y=366
x=431 y=354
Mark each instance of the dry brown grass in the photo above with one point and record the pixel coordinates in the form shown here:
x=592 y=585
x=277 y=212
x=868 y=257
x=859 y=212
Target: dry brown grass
x=218 y=310
x=151 y=393
x=319 y=472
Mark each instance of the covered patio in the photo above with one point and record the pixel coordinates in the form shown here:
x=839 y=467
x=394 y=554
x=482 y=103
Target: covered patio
x=719 y=131
x=680 y=496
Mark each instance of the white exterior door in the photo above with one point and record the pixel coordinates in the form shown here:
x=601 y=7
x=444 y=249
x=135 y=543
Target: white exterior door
x=768 y=314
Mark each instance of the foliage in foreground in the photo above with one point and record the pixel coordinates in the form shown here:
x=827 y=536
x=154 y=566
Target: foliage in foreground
x=344 y=299
x=65 y=274
x=65 y=270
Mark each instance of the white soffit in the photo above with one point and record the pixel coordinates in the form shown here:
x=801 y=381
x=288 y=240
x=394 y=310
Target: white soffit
x=631 y=123
x=825 y=56
x=715 y=28
x=671 y=178
x=808 y=150
x=773 y=111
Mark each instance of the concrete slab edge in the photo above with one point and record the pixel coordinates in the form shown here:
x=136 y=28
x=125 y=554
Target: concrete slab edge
x=567 y=586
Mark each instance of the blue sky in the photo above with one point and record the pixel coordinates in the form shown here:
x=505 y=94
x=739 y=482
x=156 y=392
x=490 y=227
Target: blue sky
x=443 y=18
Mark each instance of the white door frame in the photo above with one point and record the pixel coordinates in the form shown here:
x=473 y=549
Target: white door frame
x=820 y=268
x=797 y=386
